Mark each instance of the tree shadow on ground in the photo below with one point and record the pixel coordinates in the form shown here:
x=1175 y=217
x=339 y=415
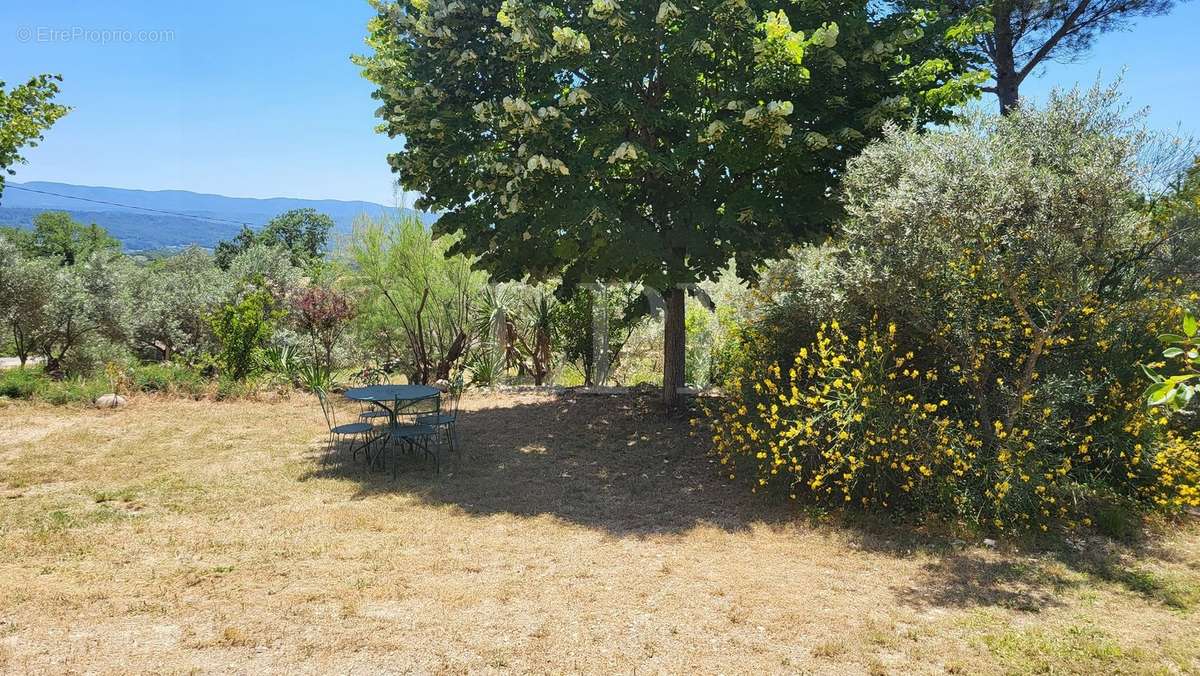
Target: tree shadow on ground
x=607 y=462
x=1031 y=576
x=618 y=464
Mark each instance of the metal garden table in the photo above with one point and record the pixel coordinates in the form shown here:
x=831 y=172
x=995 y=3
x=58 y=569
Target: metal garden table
x=395 y=399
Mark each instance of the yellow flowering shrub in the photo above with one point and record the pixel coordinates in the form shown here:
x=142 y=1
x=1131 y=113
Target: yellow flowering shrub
x=856 y=419
x=970 y=344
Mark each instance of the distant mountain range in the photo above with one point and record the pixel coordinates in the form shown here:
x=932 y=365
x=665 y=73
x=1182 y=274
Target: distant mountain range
x=194 y=218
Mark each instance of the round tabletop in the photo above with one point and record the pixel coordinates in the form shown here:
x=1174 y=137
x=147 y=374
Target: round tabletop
x=384 y=393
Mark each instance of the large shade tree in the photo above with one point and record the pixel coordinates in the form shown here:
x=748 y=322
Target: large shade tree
x=643 y=140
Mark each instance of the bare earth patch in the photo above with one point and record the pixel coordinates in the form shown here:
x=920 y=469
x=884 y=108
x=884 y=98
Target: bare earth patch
x=575 y=533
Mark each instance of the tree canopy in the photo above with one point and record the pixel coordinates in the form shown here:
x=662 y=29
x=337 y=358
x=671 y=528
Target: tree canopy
x=303 y=232
x=57 y=235
x=26 y=112
x=1012 y=38
x=644 y=141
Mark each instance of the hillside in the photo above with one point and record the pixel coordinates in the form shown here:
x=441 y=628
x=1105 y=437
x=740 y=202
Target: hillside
x=202 y=219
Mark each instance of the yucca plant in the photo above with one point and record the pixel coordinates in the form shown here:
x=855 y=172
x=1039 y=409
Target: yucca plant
x=539 y=332
x=486 y=367
x=314 y=376
x=280 y=360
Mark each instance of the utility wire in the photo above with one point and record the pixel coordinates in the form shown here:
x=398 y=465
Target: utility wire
x=126 y=206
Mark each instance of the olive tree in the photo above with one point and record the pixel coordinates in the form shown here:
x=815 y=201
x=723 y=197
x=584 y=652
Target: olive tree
x=1020 y=249
x=171 y=299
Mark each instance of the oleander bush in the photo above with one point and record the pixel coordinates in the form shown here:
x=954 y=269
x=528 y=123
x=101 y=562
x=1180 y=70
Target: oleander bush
x=991 y=293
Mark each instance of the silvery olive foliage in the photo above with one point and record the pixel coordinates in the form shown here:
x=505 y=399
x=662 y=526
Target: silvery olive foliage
x=264 y=266
x=171 y=299
x=1021 y=248
x=86 y=301
x=998 y=282
x=1050 y=199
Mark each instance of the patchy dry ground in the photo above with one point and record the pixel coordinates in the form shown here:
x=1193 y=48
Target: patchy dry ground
x=575 y=534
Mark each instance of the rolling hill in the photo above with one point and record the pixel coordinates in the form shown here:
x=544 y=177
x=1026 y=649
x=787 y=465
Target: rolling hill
x=135 y=216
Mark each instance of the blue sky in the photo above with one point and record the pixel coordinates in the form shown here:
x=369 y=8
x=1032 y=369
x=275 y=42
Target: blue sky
x=259 y=99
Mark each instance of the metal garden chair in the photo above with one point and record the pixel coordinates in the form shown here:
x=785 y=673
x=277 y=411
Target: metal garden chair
x=353 y=431
x=416 y=435
x=367 y=377
x=445 y=419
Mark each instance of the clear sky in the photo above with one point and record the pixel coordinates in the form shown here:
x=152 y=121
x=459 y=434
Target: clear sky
x=259 y=98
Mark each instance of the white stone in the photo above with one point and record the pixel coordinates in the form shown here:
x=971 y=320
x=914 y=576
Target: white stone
x=110 y=401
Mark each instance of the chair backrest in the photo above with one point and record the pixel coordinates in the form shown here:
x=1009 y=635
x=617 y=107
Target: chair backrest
x=422 y=407
x=327 y=408
x=452 y=396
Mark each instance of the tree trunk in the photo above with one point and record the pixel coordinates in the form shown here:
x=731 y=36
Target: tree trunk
x=1008 y=80
x=674 y=345
x=1008 y=90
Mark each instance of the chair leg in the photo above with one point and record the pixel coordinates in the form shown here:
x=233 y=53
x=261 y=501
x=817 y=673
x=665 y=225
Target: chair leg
x=437 y=461
x=410 y=447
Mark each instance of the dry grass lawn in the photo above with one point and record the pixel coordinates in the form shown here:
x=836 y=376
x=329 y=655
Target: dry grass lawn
x=576 y=534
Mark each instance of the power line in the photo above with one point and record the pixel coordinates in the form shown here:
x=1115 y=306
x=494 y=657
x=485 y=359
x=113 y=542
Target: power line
x=126 y=206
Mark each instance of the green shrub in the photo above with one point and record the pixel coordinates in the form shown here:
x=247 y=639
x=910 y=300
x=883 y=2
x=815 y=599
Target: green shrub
x=168 y=378
x=994 y=286
x=22 y=383
x=243 y=329
x=77 y=390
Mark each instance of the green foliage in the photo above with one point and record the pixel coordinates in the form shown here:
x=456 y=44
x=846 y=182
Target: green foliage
x=73 y=390
x=282 y=361
x=52 y=309
x=415 y=302
x=1175 y=392
x=701 y=326
x=22 y=383
x=35 y=383
x=58 y=236
x=315 y=376
x=1020 y=279
x=486 y=368
x=517 y=321
x=614 y=309
x=90 y=356
x=265 y=266
x=645 y=141
x=26 y=289
x=242 y=330
x=1008 y=41
x=302 y=232
x=26 y=112
x=168 y=378
x=170 y=299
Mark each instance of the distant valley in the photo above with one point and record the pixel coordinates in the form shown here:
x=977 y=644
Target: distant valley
x=204 y=219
